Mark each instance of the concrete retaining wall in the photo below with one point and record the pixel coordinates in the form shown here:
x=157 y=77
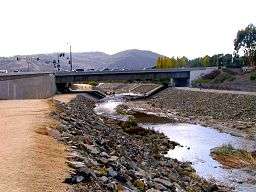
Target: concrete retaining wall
x=35 y=87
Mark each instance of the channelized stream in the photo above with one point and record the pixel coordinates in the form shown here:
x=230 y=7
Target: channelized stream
x=196 y=142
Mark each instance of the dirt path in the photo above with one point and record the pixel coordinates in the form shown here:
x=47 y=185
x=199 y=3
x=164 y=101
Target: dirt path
x=65 y=97
x=29 y=161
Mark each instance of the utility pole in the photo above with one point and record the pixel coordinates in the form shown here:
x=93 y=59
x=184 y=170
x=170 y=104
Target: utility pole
x=58 y=61
x=70 y=58
x=28 y=62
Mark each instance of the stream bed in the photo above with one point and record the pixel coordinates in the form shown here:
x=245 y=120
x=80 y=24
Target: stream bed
x=196 y=142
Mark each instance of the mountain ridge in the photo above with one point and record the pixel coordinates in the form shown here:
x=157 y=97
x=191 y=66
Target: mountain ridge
x=128 y=59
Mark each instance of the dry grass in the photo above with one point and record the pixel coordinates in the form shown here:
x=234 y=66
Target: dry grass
x=230 y=157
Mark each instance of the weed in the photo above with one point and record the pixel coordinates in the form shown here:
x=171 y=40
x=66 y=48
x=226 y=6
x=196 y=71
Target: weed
x=233 y=158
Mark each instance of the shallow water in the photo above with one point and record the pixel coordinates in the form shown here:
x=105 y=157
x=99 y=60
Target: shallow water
x=197 y=141
x=107 y=107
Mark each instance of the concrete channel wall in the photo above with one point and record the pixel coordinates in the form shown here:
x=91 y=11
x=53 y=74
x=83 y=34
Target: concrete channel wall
x=30 y=87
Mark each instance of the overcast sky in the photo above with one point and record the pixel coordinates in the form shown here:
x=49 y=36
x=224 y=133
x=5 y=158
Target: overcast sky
x=170 y=27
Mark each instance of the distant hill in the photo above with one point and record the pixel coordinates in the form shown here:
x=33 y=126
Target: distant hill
x=133 y=59
x=129 y=59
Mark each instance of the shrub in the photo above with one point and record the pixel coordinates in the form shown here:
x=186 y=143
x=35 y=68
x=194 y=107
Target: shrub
x=231 y=71
x=122 y=109
x=93 y=83
x=131 y=122
x=211 y=75
x=234 y=158
x=253 y=76
x=223 y=77
x=225 y=149
x=200 y=81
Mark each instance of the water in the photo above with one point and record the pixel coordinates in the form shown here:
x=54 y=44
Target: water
x=197 y=141
x=108 y=105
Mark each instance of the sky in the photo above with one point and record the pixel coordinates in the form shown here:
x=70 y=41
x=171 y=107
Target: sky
x=170 y=27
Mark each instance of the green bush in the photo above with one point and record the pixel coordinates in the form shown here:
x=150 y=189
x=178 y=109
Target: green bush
x=253 y=76
x=122 y=109
x=211 y=75
x=92 y=83
x=237 y=155
x=130 y=123
x=223 y=77
x=224 y=150
x=201 y=81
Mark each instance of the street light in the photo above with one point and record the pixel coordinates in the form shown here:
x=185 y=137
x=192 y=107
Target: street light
x=70 y=58
x=28 y=60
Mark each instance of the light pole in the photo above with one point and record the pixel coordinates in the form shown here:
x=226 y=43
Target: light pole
x=28 y=62
x=70 y=58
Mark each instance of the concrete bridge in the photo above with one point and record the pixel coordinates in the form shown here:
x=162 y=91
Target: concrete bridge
x=43 y=85
x=180 y=77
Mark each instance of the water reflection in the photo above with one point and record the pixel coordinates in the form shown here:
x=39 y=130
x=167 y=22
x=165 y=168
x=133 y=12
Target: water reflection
x=197 y=141
x=108 y=105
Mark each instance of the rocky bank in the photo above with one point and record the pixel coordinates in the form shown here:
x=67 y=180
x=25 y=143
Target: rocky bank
x=232 y=113
x=108 y=155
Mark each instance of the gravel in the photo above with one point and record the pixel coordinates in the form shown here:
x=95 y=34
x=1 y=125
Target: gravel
x=221 y=110
x=114 y=158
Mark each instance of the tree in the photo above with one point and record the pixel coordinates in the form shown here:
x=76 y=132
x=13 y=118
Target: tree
x=206 y=61
x=246 y=41
x=216 y=60
x=195 y=62
x=237 y=60
x=182 y=61
x=172 y=63
x=227 y=60
x=159 y=63
x=166 y=62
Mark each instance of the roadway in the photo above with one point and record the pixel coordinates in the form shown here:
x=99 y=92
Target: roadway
x=217 y=91
x=96 y=72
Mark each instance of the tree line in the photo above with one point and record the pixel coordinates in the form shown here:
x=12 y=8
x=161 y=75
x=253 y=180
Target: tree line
x=227 y=60
x=244 y=54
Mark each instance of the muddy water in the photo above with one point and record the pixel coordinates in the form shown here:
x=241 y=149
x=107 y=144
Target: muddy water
x=196 y=141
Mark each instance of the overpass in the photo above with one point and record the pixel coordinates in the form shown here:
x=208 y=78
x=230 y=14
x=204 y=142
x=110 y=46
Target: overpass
x=181 y=76
x=131 y=75
x=42 y=85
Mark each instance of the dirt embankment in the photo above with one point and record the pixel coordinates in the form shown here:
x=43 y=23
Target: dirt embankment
x=228 y=79
x=29 y=161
